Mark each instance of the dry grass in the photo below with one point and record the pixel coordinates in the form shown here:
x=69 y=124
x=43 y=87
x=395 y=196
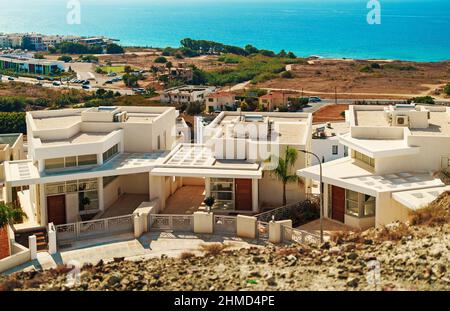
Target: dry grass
x=393 y=232
x=286 y=251
x=435 y=214
x=443 y=175
x=186 y=255
x=213 y=249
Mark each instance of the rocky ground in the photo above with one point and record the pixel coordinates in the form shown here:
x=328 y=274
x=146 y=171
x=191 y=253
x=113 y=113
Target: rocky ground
x=399 y=257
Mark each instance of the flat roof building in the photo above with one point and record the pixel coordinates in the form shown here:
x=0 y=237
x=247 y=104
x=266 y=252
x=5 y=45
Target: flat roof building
x=25 y=63
x=393 y=151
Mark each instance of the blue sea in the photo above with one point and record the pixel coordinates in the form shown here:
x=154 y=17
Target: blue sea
x=416 y=30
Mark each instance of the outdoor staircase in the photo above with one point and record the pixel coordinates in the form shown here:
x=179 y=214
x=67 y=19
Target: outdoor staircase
x=41 y=238
x=41 y=241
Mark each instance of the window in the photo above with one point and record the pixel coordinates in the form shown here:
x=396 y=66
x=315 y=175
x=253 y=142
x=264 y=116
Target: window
x=363 y=158
x=352 y=203
x=222 y=189
x=110 y=153
x=70 y=162
x=51 y=164
x=90 y=159
x=359 y=205
x=335 y=149
x=159 y=143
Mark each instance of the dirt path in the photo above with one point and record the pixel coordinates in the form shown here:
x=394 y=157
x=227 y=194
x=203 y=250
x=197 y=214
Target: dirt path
x=370 y=95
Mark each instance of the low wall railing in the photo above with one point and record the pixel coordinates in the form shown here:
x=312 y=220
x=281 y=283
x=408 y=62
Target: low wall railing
x=289 y=234
x=171 y=222
x=86 y=229
x=225 y=224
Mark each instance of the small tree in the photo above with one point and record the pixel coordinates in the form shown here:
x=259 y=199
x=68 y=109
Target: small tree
x=10 y=214
x=282 y=172
x=447 y=89
x=161 y=60
x=209 y=202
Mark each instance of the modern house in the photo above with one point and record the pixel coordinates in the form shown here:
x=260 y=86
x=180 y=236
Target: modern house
x=27 y=64
x=186 y=94
x=394 y=152
x=326 y=144
x=102 y=162
x=274 y=99
x=217 y=101
x=251 y=139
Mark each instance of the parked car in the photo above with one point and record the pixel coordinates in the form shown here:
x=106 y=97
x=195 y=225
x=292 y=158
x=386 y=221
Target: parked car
x=108 y=82
x=85 y=87
x=56 y=83
x=86 y=82
x=139 y=90
x=10 y=79
x=314 y=99
x=39 y=78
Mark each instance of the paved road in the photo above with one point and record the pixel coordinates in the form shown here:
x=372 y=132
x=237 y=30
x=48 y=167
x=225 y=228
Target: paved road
x=66 y=85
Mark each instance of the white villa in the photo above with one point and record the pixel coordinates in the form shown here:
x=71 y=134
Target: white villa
x=326 y=144
x=103 y=162
x=186 y=94
x=393 y=153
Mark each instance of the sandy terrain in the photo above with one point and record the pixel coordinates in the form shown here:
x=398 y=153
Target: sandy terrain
x=331 y=113
x=324 y=77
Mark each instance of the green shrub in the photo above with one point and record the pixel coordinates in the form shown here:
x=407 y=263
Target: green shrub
x=287 y=75
x=394 y=66
x=423 y=100
x=113 y=48
x=12 y=122
x=375 y=66
x=161 y=60
x=447 y=89
x=366 y=69
x=65 y=58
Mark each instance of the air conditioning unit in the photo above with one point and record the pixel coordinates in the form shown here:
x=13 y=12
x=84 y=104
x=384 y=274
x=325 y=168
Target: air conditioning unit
x=402 y=120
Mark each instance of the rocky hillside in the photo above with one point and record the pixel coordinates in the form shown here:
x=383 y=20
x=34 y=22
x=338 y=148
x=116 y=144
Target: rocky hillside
x=398 y=257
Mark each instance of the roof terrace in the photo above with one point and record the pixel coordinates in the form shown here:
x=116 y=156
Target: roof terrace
x=419 y=120
x=283 y=128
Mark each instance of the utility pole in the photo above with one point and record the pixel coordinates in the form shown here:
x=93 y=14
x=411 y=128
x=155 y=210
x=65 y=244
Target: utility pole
x=335 y=95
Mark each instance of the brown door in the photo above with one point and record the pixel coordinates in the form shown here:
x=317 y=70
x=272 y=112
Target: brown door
x=243 y=194
x=338 y=203
x=56 y=209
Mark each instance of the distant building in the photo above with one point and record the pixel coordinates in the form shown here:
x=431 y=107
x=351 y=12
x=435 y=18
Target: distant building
x=94 y=41
x=326 y=143
x=24 y=63
x=274 y=100
x=186 y=94
x=217 y=101
x=5 y=42
x=33 y=42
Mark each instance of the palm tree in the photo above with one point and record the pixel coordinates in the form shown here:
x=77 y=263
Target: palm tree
x=283 y=169
x=8 y=215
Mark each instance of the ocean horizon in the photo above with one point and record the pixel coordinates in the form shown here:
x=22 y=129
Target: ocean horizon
x=411 y=30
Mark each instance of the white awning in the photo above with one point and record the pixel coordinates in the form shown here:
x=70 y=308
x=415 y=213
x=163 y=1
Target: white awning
x=207 y=172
